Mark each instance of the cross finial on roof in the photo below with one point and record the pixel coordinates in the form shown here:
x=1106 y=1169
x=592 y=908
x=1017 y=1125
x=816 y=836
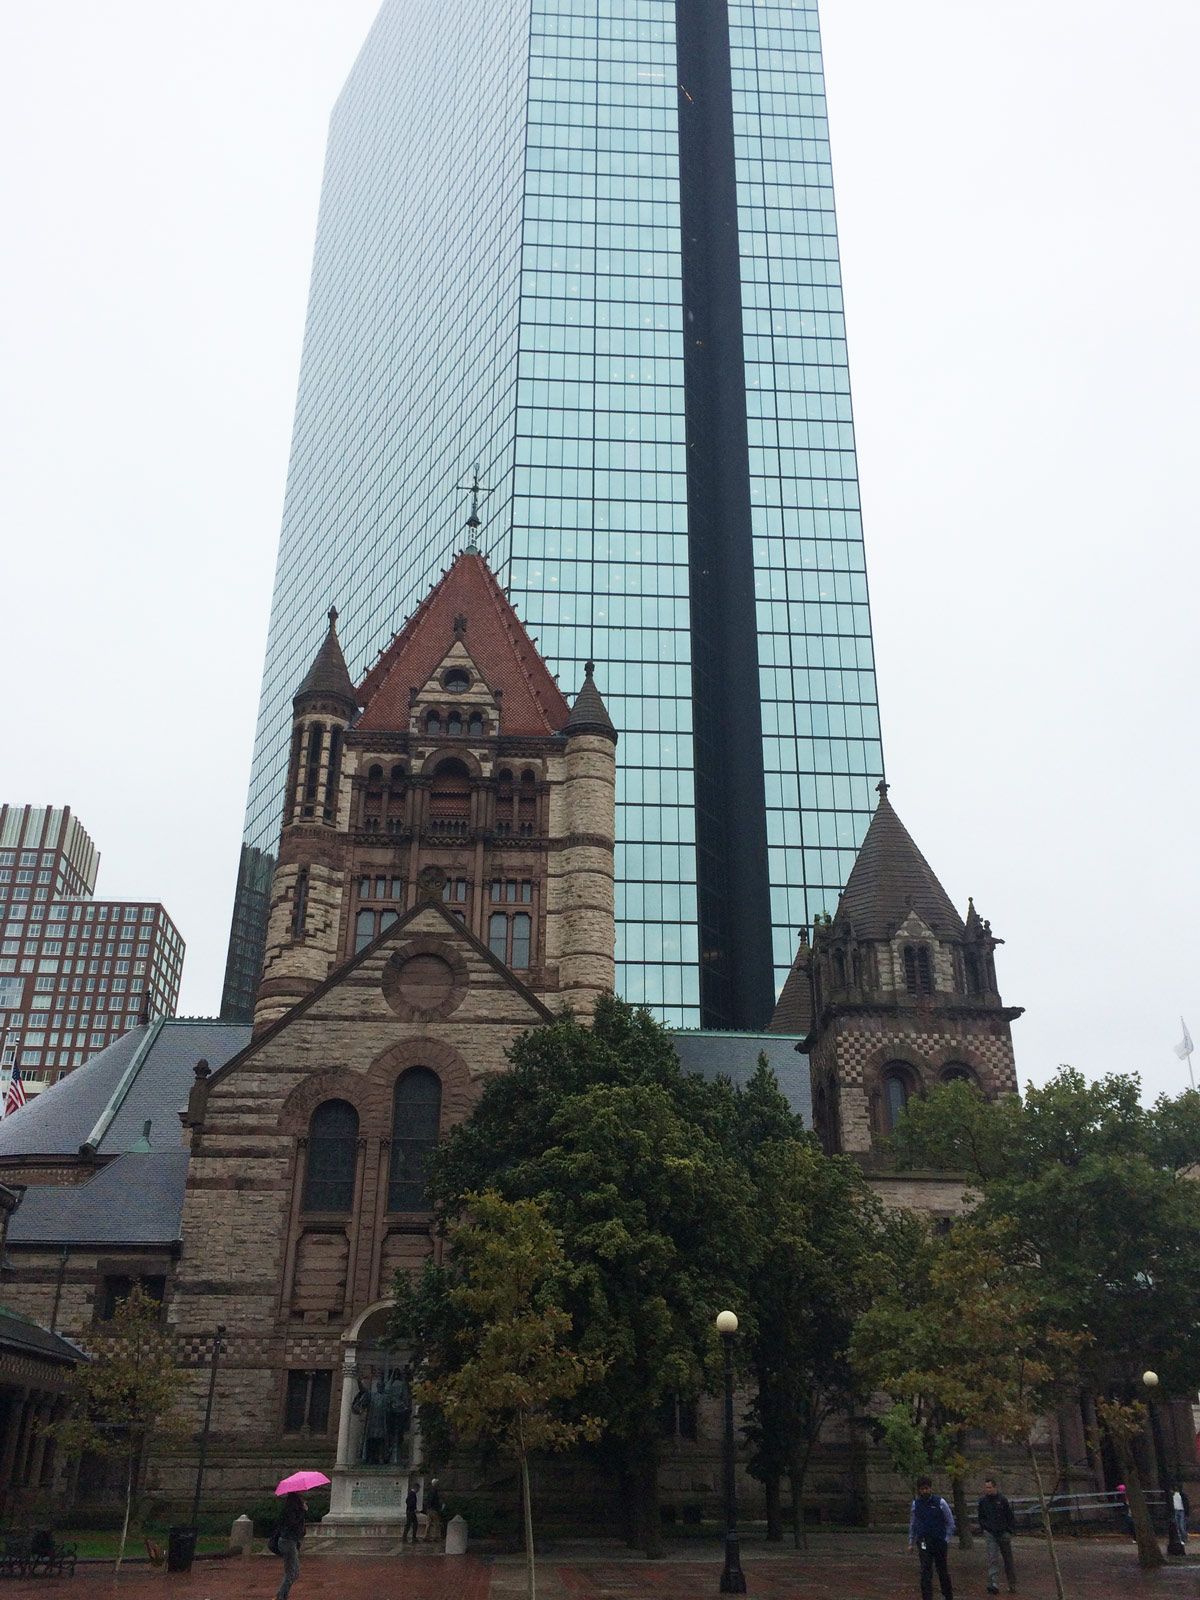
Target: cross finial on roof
x=882 y=787
x=589 y=669
x=332 y=616
x=478 y=492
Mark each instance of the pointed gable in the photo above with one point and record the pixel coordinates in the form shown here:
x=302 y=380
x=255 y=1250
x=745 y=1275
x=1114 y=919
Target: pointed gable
x=890 y=879
x=531 y=703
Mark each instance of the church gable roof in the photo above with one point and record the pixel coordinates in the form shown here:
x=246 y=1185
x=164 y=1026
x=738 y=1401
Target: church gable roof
x=890 y=879
x=357 y=991
x=531 y=702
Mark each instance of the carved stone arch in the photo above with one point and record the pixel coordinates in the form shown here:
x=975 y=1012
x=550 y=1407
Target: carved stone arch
x=459 y=1092
x=332 y=1083
x=437 y=758
x=883 y=1062
x=958 y=1061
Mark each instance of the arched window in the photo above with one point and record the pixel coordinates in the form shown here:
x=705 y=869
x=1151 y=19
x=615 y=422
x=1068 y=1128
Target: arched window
x=386 y=918
x=433 y=723
x=454 y=726
x=416 y=1114
x=316 y=735
x=475 y=726
x=294 y=768
x=450 y=797
x=504 y=801
x=498 y=935
x=957 y=1072
x=299 y=903
x=527 y=803
x=971 y=970
x=918 y=969
x=397 y=790
x=895 y=1097
x=364 y=930
x=839 y=970
x=522 y=927
x=332 y=1156
x=373 y=800
x=333 y=775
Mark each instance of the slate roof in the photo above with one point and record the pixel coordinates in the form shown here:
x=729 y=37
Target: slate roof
x=146 y=1074
x=18 y=1333
x=531 y=701
x=793 y=1014
x=890 y=878
x=589 y=714
x=329 y=674
x=136 y=1199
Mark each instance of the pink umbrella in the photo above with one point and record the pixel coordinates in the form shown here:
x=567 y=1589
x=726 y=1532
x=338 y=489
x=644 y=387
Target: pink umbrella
x=299 y=1482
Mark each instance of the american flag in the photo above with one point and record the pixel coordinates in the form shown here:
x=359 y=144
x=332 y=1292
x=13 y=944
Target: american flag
x=16 y=1094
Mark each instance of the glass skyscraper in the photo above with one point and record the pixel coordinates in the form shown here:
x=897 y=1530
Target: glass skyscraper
x=587 y=249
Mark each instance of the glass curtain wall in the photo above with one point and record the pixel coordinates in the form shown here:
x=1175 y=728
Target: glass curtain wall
x=497 y=283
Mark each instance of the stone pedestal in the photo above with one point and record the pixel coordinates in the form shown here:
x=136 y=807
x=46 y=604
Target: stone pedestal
x=456 y=1537
x=364 y=1503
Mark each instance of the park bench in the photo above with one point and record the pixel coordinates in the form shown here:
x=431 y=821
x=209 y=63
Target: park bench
x=36 y=1555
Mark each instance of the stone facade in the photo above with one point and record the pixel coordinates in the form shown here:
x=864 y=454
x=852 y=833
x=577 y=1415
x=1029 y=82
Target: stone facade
x=445 y=883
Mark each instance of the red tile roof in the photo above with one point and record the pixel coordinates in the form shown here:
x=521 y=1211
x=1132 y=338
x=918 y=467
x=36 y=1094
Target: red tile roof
x=531 y=702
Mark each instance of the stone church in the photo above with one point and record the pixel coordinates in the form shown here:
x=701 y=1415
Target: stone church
x=445 y=882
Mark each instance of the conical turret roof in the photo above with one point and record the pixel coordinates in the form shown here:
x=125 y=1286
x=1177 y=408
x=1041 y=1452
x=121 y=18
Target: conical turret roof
x=889 y=879
x=589 y=714
x=328 y=675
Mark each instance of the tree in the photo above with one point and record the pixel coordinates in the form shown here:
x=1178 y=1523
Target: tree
x=623 y=1151
x=959 y=1342
x=809 y=1265
x=1100 y=1191
x=513 y=1368
x=122 y=1397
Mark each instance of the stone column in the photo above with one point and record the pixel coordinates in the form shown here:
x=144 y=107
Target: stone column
x=349 y=1390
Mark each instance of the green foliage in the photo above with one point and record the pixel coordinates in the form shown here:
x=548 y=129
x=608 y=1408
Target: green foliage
x=123 y=1397
x=624 y=1153
x=1100 y=1192
x=809 y=1264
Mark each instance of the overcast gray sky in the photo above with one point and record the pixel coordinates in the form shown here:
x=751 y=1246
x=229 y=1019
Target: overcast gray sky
x=1017 y=204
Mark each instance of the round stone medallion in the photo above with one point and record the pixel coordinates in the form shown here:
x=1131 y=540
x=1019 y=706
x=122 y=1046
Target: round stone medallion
x=420 y=984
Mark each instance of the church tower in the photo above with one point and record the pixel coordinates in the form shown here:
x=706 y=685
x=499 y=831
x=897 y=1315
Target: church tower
x=895 y=993
x=457 y=760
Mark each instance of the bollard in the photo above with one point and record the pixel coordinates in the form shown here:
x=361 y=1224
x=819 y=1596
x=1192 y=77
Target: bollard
x=456 y=1537
x=241 y=1535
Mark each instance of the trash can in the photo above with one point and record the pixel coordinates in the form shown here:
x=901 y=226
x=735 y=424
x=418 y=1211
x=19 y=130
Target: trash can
x=181 y=1549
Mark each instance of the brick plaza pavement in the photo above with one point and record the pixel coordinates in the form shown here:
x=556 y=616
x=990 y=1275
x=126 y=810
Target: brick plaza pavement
x=851 y=1566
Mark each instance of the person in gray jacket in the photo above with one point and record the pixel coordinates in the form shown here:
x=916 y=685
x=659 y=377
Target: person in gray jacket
x=997 y=1522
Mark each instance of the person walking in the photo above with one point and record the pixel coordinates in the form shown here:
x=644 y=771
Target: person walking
x=410 y=1514
x=289 y=1536
x=1180 y=1506
x=997 y=1522
x=930 y=1524
x=433 y=1510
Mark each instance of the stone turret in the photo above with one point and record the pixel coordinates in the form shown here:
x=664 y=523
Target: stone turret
x=306 y=892
x=898 y=994
x=581 y=891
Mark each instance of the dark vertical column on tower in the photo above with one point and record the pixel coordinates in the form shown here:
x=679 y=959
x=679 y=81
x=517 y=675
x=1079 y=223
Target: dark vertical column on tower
x=736 y=988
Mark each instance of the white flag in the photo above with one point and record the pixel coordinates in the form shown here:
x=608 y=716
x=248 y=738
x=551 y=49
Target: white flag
x=1184 y=1048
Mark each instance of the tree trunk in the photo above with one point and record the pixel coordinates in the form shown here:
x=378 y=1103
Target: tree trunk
x=128 y=1509
x=962 y=1517
x=1046 y=1528
x=1091 y=1437
x=796 y=1486
x=652 y=1525
x=774 y=1510
x=627 y=1491
x=527 y=1506
x=1149 y=1550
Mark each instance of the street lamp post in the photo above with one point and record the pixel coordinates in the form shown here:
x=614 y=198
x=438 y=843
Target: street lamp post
x=1174 y=1542
x=733 y=1579
x=218 y=1346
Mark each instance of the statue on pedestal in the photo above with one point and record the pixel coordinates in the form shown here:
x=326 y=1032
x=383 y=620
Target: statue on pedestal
x=386 y=1406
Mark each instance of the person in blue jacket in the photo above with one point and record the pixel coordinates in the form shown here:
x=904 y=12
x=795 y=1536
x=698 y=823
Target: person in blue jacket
x=930 y=1524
